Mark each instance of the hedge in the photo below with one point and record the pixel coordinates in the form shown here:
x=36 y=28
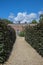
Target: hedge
x=22 y=34
x=34 y=36
x=7 y=39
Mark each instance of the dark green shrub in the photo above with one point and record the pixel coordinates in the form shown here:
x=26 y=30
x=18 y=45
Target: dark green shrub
x=34 y=36
x=7 y=39
x=22 y=34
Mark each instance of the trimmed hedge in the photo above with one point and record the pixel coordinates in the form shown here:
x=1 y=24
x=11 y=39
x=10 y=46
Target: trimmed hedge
x=34 y=36
x=22 y=34
x=7 y=39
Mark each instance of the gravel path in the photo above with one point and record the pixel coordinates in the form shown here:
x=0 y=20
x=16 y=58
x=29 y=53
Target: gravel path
x=24 y=54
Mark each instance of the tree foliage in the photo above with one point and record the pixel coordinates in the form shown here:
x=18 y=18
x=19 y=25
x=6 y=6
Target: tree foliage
x=41 y=18
x=6 y=21
x=34 y=22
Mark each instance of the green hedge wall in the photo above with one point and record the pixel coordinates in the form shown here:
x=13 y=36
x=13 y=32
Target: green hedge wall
x=7 y=39
x=34 y=36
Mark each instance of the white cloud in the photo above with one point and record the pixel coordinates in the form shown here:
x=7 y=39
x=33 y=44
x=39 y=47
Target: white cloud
x=40 y=12
x=32 y=15
x=11 y=16
x=20 y=16
x=23 y=17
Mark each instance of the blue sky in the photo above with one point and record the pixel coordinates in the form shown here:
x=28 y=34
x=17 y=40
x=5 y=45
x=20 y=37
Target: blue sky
x=13 y=8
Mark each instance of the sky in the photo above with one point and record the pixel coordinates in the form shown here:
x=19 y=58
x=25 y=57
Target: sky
x=21 y=10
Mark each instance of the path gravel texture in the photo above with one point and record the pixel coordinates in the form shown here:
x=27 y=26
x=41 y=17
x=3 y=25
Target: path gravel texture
x=24 y=54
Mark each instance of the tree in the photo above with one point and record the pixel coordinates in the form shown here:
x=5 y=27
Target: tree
x=41 y=18
x=25 y=22
x=7 y=21
x=34 y=22
x=19 y=22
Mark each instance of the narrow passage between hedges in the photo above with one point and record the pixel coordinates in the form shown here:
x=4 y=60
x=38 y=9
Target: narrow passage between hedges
x=24 y=54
